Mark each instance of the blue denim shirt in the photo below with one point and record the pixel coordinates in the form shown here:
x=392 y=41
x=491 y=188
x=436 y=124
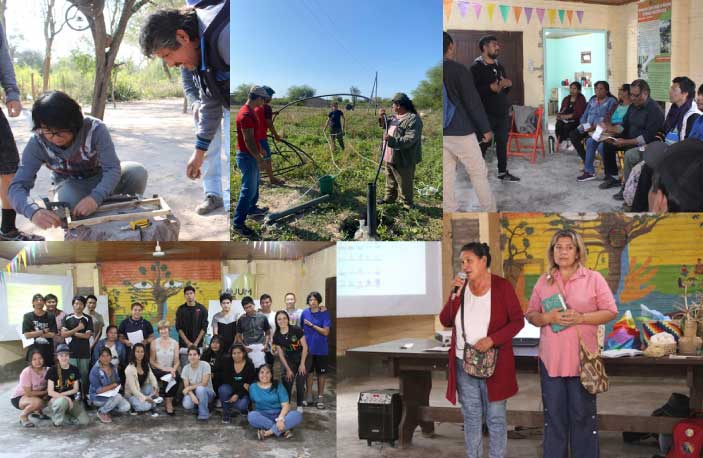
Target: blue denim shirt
x=597 y=112
x=98 y=379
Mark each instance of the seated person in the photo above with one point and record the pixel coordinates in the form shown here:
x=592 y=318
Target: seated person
x=599 y=107
x=611 y=125
x=112 y=343
x=197 y=384
x=641 y=124
x=78 y=150
x=63 y=383
x=31 y=391
x=141 y=388
x=216 y=356
x=678 y=174
x=572 y=108
x=272 y=414
x=104 y=377
x=238 y=376
x=165 y=360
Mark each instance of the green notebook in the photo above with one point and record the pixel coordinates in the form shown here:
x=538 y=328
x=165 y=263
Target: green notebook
x=551 y=303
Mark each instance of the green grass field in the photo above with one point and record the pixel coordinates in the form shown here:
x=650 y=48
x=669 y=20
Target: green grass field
x=337 y=219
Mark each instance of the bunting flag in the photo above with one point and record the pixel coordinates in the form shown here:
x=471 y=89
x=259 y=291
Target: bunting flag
x=477 y=9
x=504 y=10
x=463 y=8
x=552 y=14
x=540 y=14
x=579 y=14
x=448 y=9
x=570 y=15
x=491 y=8
x=528 y=14
x=517 y=10
x=561 y=16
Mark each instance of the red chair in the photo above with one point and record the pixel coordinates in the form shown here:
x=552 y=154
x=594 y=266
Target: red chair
x=536 y=137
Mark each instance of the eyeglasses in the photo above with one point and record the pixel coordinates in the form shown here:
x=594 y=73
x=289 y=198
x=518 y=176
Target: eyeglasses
x=53 y=132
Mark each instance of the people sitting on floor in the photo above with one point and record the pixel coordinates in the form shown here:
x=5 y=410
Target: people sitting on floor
x=572 y=108
x=239 y=374
x=217 y=357
x=104 y=379
x=29 y=395
x=643 y=120
x=599 y=108
x=197 y=385
x=63 y=383
x=611 y=125
x=141 y=387
x=272 y=414
x=112 y=343
x=166 y=360
x=78 y=150
x=677 y=184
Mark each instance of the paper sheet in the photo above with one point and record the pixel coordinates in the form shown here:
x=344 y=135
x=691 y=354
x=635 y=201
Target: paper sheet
x=135 y=337
x=168 y=378
x=257 y=355
x=25 y=341
x=438 y=349
x=597 y=133
x=621 y=353
x=111 y=393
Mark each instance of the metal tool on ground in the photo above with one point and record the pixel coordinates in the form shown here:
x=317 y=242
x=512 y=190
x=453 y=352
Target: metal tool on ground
x=371 y=213
x=138 y=224
x=62 y=210
x=326 y=188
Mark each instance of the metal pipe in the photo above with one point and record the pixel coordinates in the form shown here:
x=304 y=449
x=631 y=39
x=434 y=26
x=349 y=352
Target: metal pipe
x=273 y=217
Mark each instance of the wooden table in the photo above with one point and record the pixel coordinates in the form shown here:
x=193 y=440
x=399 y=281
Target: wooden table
x=414 y=368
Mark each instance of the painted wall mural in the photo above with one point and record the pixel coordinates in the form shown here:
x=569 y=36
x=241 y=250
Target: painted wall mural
x=646 y=259
x=158 y=285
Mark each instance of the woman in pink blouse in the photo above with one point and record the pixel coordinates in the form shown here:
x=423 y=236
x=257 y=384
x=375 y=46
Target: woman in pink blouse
x=569 y=410
x=30 y=394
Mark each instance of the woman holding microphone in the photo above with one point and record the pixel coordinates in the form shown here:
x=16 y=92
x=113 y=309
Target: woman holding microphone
x=484 y=314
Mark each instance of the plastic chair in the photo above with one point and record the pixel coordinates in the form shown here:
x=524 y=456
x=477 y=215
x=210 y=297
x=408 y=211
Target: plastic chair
x=536 y=137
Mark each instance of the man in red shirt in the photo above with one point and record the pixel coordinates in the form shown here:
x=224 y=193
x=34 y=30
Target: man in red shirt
x=264 y=115
x=249 y=154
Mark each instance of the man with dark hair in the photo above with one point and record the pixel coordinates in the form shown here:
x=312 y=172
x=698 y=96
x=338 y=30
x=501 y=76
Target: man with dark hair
x=643 y=120
x=677 y=185
x=198 y=39
x=493 y=87
x=264 y=116
x=40 y=325
x=191 y=324
x=9 y=156
x=254 y=331
x=98 y=320
x=265 y=302
x=51 y=302
x=337 y=124
x=135 y=329
x=79 y=151
x=249 y=154
x=293 y=313
x=463 y=129
x=316 y=324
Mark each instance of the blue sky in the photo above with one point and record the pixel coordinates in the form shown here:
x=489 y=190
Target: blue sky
x=334 y=44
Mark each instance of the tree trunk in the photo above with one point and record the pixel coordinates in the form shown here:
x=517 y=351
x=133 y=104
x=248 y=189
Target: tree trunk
x=47 y=64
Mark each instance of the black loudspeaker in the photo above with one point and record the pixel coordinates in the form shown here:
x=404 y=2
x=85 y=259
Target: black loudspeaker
x=379 y=415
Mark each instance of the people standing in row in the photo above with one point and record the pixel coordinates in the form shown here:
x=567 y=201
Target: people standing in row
x=224 y=322
x=191 y=324
x=79 y=328
x=40 y=325
x=91 y=302
x=316 y=328
x=292 y=349
x=293 y=312
x=254 y=331
x=265 y=303
x=136 y=329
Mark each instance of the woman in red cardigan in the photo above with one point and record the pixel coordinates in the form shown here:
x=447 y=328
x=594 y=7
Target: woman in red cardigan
x=492 y=317
x=572 y=107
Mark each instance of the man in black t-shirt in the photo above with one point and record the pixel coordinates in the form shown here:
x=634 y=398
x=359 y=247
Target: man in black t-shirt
x=336 y=122
x=134 y=324
x=191 y=324
x=40 y=325
x=79 y=327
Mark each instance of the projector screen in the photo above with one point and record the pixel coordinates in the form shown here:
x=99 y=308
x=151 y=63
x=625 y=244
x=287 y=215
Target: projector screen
x=16 y=298
x=388 y=278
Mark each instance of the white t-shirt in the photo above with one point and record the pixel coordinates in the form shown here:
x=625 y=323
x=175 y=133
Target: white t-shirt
x=477 y=316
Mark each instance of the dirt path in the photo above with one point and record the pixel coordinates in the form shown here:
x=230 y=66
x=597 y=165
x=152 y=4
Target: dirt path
x=157 y=134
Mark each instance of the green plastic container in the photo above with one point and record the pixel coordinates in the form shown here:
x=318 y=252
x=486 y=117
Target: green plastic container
x=326 y=184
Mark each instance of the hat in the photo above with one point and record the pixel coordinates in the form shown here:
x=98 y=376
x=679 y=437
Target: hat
x=401 y=98
x=258 y=91
x=37 y=296
x=680 y=169
x=62 y=348
x=269 y=91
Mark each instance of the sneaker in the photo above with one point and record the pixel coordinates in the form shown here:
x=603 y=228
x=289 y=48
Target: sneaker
x=258 y=211
x=507 y=177
x=105 y=418
x=19 y=236
x=619 y=196
x=586 y=177
x=320 y=402
x=226 y=419
x=307 y=402
x=261 y=434
x=288 y=434
x=154 y=413
x=609 y=182
x=39 y=416
x=299 y=409
x=211 y=203
x=243 y=230
x=27 y=424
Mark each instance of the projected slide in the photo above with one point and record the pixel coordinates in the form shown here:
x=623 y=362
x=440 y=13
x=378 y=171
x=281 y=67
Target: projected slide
x=380 y=269
x=16 y=298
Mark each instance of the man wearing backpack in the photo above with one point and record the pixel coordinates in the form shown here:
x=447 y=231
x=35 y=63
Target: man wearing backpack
x=464 y=117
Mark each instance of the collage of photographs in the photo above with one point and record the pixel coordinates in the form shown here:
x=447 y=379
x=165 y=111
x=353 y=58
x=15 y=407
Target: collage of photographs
x=364 y=242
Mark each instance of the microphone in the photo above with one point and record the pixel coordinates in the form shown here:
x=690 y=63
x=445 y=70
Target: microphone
x=455 y=290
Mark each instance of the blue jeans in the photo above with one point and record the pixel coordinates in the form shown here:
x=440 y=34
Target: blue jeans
x=225 y=146
x=205 y=396
x=249 y=191
x=591 y=147
x=108 y=404
x=569 y=417
x=473 y=396
x=142 y=406
x=212 y=166
x=267 y=149
x=225 y=392
x=266 y=419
